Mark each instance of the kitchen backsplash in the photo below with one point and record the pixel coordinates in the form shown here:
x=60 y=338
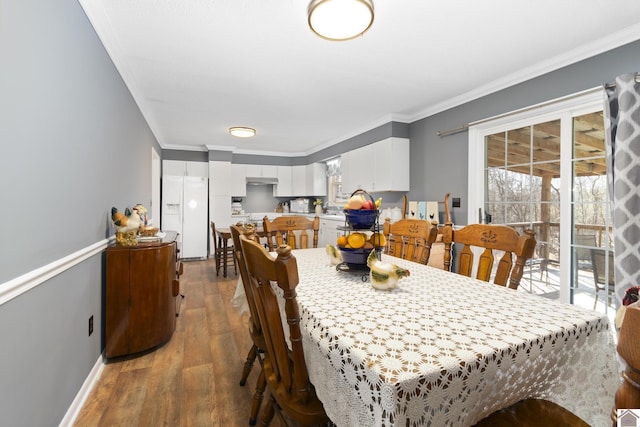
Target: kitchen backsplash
x=260 y=198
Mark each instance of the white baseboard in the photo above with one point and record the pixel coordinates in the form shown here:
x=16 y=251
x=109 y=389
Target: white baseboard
x=83 y=393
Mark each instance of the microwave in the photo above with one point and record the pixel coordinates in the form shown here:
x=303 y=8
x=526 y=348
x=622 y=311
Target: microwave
x=299 y=206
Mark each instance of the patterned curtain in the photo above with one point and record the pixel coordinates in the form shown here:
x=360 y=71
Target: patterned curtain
x=622 y=136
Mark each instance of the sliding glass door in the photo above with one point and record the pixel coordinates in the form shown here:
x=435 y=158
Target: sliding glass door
x=544 y=169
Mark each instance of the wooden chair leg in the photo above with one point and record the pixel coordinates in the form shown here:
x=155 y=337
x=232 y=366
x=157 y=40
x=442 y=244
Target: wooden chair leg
x=235 y=264
x=267 y=415
x=217 y=256
x=248 y=364
x=257 y=398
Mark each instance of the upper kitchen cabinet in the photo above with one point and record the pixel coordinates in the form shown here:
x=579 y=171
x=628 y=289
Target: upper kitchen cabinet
x=284 y=186
x=357 y=169
x=309 y=180
x=238 y=184
x=382 y=166
x=262 y=171
x=299 y=180
x=219 y=173
x=183 y=168
x=316 y=179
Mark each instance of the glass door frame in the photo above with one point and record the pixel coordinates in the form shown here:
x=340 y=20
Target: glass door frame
x=564 y=109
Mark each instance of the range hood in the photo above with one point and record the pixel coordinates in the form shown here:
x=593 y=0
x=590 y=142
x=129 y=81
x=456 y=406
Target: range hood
x=259 y=180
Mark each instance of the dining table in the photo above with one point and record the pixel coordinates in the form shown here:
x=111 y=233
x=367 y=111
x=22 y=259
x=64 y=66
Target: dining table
x=442 y=349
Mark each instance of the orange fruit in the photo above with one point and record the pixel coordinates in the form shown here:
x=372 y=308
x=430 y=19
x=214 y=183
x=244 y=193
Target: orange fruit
x=356 y=240
x=342 y=241
x=378 y=240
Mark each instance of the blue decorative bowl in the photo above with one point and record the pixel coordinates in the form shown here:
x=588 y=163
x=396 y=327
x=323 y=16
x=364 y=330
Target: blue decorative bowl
x=361 y=219
x=355 y=256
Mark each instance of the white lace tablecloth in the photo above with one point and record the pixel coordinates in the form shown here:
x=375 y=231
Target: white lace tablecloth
x=445 y=350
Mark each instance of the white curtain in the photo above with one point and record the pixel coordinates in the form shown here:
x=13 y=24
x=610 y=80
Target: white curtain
x=622 y=121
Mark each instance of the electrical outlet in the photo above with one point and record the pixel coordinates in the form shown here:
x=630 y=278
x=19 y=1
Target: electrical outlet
x=455 y=202
x=90 y=325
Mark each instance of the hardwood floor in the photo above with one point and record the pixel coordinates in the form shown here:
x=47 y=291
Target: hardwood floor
x=192 y=380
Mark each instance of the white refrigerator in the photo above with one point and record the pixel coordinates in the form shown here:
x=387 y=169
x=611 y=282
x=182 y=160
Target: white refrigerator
x=184 y=209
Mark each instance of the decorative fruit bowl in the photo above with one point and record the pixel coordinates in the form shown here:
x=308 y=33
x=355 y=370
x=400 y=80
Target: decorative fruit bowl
x=361 y=218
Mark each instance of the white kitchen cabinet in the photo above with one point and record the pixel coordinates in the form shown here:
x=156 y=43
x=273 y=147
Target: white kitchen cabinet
x=196 y=169
x=173 y=168
x=262 y=171
x=299 y=181
x=238 y=182
x=184 y=168
x=284 y=186
x=219 y=173
x=357 y=169
x=382 y=166
x=316 y=179
x=391 y=164
x=329 y=233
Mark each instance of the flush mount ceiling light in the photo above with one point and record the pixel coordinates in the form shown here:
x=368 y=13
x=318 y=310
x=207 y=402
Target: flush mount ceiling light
x=340 y=19
x=242 y=132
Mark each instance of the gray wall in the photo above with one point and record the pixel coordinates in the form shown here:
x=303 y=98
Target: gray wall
x=72 y=144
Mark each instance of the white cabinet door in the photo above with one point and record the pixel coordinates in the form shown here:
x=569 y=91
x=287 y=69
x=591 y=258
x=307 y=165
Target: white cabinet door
x=391 y=164
x=316 y=179
x=262 y=171
x=254 y=170
x=183 y=168
x=382 y=166
x=329 y=232
x=283 y=188
x=219 y=172
x=299 y=181
x=200 y=169
x=269 y=171
x=358 y=170
x=238 y=184
x=173 y=167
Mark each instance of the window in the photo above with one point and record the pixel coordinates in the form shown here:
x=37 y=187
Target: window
x=334 y=183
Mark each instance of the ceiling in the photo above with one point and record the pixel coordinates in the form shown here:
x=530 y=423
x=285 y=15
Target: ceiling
x=198 y=67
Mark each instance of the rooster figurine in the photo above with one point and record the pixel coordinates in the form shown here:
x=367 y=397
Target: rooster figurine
x=335 y=257
x=127 y=221
x=384 y=275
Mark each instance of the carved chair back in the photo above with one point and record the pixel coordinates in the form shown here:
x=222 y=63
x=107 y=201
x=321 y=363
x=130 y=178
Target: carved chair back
x=410 y=239
x=491 y=239
x=291 y=230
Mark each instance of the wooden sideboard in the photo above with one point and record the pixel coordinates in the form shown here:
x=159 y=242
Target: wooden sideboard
x=140 y=296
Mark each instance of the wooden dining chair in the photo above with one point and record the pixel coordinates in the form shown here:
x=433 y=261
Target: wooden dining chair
x=410 y=239
x=221 y=256
x=285 y=369
x=540 y=412
x=258 y=345
x=490 y=238
x=292 y=230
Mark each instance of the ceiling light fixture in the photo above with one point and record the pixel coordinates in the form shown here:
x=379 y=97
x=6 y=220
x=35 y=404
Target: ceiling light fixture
x=340 y=19
x=242 y=132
